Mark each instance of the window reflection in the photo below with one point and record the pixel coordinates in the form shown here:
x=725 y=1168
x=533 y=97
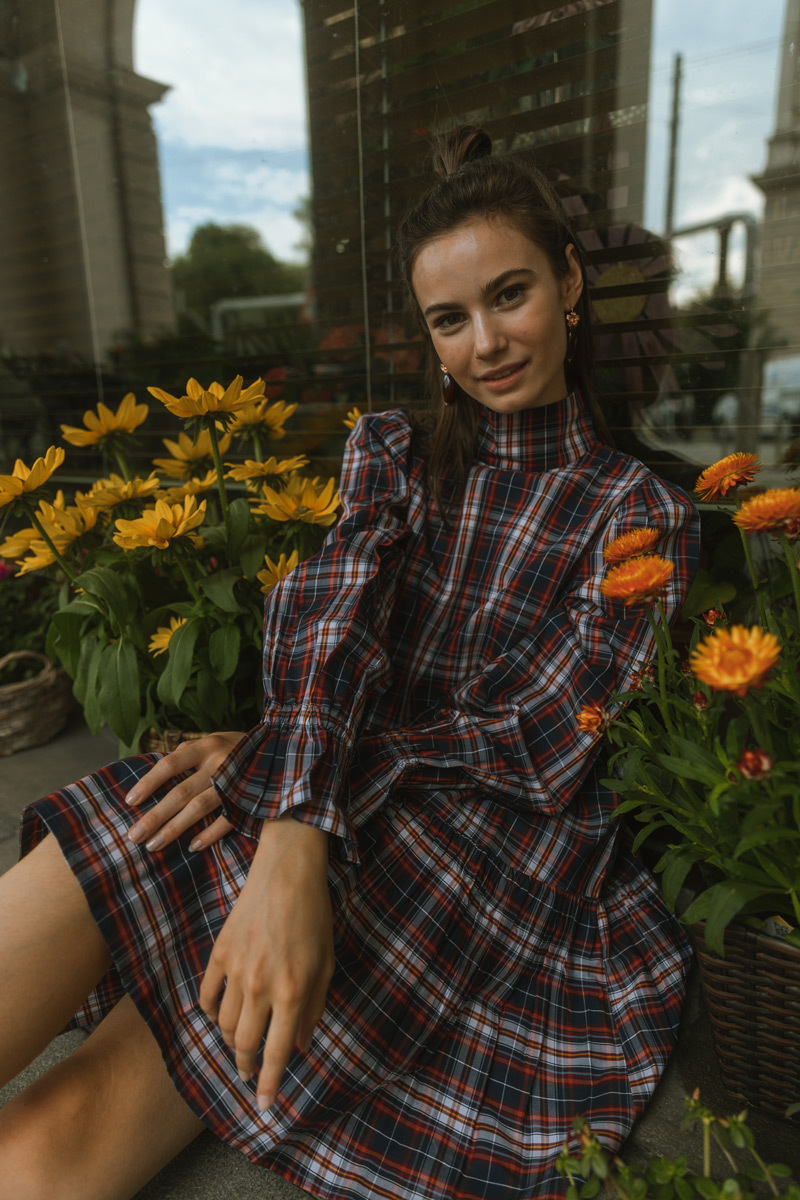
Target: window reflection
x=164 y=217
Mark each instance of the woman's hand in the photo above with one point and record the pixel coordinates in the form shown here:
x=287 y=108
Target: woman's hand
x=274 y=954
x=189 y=800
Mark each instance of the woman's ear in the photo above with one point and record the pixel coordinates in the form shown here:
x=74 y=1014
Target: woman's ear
x=572 y=282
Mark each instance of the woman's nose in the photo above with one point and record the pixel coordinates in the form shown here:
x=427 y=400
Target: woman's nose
x=487 y=336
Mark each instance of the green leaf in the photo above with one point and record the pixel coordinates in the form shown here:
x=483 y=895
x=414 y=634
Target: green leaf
x=723 y=902
x=219 y=590
x=64 y=640
x=251 y=555
x=674 y=876
x=238 y=526
x=92 y=711
x=106 y=586
x=223 y=651
x=172 y=683
x=211 y=697
x=118 y=698
x=696 y=771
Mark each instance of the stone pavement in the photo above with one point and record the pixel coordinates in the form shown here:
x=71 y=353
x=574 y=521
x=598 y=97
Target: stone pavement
x=208 y=1170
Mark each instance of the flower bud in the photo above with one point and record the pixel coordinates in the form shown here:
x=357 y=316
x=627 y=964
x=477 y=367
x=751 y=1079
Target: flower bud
x=754 y=764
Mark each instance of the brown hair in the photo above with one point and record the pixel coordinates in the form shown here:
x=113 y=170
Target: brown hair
x=472 y=184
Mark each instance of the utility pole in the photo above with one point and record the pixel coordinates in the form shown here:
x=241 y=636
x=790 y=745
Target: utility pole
x=677 y=72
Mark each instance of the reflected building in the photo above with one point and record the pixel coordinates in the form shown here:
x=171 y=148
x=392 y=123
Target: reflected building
x=780 y=182
x=83 y=251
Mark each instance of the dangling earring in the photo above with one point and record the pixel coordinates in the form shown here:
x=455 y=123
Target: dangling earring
x=448 y=386
x=573 y=321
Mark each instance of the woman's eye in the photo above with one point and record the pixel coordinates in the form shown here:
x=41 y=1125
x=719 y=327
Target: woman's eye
x=510 y=294
x=447 y=320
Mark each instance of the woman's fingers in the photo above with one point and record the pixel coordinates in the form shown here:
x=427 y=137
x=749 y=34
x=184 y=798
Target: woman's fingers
x=211 y=750
x=164 y=824
x=211 y=834
x=278 y=1049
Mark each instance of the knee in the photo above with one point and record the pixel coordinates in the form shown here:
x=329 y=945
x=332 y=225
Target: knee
x=45 y=1137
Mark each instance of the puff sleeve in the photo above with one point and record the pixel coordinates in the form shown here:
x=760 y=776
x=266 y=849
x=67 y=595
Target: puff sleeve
x=324 y=647
x=511 y=728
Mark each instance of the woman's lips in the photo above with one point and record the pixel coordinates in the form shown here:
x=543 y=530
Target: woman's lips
x=504 y=381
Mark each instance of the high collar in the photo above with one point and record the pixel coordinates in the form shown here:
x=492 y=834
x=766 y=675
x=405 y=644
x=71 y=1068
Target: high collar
x=537 y=439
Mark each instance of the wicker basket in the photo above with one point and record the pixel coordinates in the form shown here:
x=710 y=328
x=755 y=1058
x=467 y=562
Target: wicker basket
x=753 y=1000
x=34 y=711
x=153 y=742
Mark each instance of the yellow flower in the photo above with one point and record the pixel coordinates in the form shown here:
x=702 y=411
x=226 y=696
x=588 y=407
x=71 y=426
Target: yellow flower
x=735 y=659
x=632 y=544
x=274 y=572
x=257 y=470
x=108 y=493
x=263 y=413
x=63 y=526
x=301 y=500
x=187 y=454
x=159 y=642
x=722 y=476
x=352 y=416
x=593 y=718
x=774 y=511
x=162 y=525
x=192 y=487
x=24 y=480
x=200 y=401
x=638 y=581
x=103 y=423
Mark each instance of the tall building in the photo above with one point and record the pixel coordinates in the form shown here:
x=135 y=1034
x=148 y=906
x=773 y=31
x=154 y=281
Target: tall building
x=82 y=256
x=780 y=182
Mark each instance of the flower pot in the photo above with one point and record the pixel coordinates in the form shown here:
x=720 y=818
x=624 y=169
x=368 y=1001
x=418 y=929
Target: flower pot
x=753 y=1000
x=155 y=742
x=33 y=711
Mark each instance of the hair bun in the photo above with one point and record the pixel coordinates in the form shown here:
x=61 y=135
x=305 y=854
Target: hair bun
x=461 y=145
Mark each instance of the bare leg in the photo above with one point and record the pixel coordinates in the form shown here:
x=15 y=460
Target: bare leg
x=51 y=950
x=100 y=1124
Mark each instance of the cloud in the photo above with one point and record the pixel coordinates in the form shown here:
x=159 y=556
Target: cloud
x=281 y=185
x=236 y=71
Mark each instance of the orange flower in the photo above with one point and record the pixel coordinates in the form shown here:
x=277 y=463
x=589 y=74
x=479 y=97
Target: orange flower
x=638 y=581
x=735 y=659
x=775 y=511
x=593 y=718
x=632 y=544
x=722 y=476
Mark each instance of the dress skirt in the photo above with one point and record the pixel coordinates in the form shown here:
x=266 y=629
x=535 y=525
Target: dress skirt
x=473 y=1013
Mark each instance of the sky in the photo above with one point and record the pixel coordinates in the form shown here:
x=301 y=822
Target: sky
x=232 y=131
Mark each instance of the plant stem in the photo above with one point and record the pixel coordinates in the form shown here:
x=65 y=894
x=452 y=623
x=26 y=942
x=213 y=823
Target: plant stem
x=188 y=580
x=123 y=466
x=759 y=729
x=794 y=570
x=752 y=569
x=223 y=498
x=706 y=1150
x=767 y=1173
x=70 y=574
x=257 y=446
x=724 y=1150
x=662 y=682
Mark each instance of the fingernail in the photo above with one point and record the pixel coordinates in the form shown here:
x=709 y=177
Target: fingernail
x=245 y=1078
x=196 y=844
x=264 y=1101
x=132 y=797
x=155 y=843
x=135 y=832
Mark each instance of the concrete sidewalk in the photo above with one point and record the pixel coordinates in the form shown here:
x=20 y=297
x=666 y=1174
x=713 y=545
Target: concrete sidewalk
x=208 y=1170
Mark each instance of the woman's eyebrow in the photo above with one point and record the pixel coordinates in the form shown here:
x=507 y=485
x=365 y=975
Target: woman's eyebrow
x=492 y=286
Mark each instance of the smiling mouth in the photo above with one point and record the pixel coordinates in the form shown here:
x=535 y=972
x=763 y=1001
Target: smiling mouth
x=503 y=373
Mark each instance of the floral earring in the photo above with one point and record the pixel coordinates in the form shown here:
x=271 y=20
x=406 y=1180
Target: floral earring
x=573 y=321
x=448 y=386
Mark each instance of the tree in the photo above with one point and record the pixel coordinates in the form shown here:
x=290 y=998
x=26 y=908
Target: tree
x=224 y=261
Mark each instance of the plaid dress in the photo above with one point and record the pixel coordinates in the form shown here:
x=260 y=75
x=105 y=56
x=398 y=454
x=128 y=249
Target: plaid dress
x=503 y=961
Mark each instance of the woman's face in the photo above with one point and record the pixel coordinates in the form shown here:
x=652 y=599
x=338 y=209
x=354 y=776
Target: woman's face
x=495 y=312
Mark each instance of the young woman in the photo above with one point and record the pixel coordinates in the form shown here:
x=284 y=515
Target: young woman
x=388 y=943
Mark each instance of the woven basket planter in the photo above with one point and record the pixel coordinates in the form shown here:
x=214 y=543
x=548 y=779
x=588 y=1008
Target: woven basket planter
x=753 y=1000
x=153 y=742
x=34 y=711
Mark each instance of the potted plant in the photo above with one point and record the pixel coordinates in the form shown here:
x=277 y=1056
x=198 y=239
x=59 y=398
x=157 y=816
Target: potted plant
x=705 y=753
x=163 y=576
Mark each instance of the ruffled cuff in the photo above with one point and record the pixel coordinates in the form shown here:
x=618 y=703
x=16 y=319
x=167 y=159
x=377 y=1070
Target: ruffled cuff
x=296 y=759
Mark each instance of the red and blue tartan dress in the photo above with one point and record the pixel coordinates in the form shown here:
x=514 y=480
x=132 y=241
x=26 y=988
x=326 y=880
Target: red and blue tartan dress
x=503 y=961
